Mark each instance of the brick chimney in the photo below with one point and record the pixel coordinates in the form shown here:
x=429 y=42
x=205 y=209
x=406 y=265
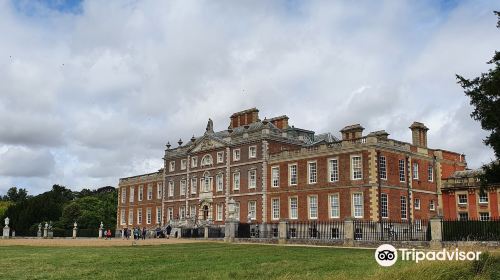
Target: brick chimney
x=419 y=134
x=245 y=117
x=351 y=132
x=280 y=122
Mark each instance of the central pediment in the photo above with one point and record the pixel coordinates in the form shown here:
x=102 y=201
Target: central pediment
x=207 y=143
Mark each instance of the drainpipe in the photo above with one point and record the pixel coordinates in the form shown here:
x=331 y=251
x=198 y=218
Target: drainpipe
x=379 y=188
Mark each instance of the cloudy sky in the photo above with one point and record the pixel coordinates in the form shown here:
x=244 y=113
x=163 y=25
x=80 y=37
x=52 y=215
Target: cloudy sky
x=90 y=91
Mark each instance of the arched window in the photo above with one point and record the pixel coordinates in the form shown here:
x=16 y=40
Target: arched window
x=206 y=160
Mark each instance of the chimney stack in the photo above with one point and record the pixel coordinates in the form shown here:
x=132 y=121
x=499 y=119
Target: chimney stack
x=419 y=134
x=280 y=122
x=245 y=117
x=351 y=132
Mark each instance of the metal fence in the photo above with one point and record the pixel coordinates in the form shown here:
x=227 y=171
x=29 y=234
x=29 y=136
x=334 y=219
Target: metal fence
x=387 y=230
x=193 y=232
x=216 y=232
x=315 y=230
x=471 y=230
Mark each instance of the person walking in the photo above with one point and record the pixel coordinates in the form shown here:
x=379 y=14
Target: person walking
x=169 y=230
x=143 y=233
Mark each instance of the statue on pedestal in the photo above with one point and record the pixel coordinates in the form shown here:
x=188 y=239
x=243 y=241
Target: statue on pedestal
x=7 y=222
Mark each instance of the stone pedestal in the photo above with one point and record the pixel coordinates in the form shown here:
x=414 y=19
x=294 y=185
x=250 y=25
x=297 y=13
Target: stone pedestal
x=206 y=233
x=282 y=232
x=436 y=233
x=349 y=232
x=230 y=231
x=6 y=232
x=45 y=232
x=100 y=233
x=50 y=234
x=39 y=233
x=74 y=232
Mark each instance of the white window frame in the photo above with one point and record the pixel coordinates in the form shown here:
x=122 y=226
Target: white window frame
x=219 y=182
x=404 y=208
x=182 y=212
x=171 y=188
x=194 y=161
x=402 y=170
x=140 y=194
x=252 y=178
x=124 y=195
x=170 y=213
x=237 y=210
x=123 y=218
x=432 y=205
x=252 y=152
x=158 y=214
x=460 y=218
x=482 y=199
x=172 y=166
x=275 y=208
x=312 y=207
x=149 y=216
x=159 y=190
x=236 y=154
x=333 y=170
x=130 y=216
x=139 y=216
x=219 y=210
x=275 y=176
x=220 y=157
x=236 y=181
x=192 y=211
x=460 y=201
x=293 y=209
x=131 y=195
x=183 y=187
x=252 y=209
x=356 y=167
x=383 y=167
x=194 y=185
x=312 y=172
x=484 y=216
x=415 y=171
x=417 y=203
x=384 y=205
x=150 y=192
x=334 y=205
x=290 y=175
x=358 y=212
x=183 y=164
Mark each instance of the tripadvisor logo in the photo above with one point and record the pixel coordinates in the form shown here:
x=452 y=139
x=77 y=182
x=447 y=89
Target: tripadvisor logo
x=387 y=255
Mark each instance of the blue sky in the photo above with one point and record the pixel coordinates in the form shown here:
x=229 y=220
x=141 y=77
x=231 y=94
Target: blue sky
x=90 y=91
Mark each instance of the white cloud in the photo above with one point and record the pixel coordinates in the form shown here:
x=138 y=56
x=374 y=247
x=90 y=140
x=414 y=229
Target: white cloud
x=95 y=95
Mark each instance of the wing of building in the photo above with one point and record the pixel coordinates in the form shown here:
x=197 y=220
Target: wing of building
x=274 y=171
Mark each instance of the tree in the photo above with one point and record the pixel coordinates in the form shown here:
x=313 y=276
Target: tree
x=15 y=195
x=484 y=94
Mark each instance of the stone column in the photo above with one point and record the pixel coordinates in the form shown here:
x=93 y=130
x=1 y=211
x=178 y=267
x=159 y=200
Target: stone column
x=349 y=232
x=74 y=230
x=206 y=232
x=436 y=233
x=230 y=230
x=282 y=232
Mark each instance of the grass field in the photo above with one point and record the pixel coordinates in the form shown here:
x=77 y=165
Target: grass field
x=211 y=261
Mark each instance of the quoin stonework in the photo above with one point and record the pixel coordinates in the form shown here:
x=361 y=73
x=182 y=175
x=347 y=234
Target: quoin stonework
x=275 y=171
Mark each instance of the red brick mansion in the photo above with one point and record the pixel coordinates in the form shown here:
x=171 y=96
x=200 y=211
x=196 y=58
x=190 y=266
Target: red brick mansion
x=275 y=171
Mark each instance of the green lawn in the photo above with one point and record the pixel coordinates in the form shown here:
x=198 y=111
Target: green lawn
x=198 y=261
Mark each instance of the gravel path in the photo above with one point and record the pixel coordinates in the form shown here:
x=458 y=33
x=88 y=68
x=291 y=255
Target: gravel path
x=92 y=242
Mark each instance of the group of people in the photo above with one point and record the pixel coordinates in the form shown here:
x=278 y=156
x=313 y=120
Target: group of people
x=141 y=234
x=107 y=234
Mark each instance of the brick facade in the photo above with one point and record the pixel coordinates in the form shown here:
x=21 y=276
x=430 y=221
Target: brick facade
x=250 y=149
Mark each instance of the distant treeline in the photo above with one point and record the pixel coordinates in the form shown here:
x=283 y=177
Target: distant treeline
x=61 y=206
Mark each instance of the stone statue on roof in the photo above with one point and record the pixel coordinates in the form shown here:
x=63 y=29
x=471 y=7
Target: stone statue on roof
x=210 y=126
